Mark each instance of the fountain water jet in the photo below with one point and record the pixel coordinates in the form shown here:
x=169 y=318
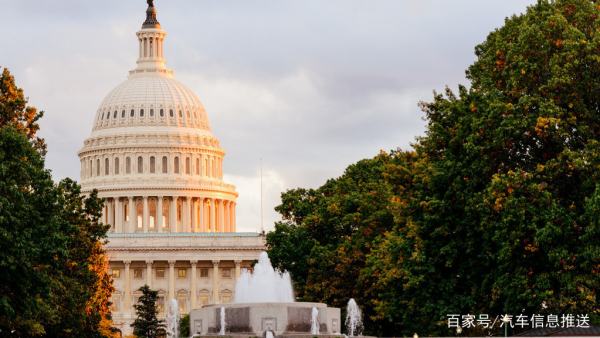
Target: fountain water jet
x=314 y=321
x=223 y=323
x=354 y=323
x=173 y=319
x=264 y=285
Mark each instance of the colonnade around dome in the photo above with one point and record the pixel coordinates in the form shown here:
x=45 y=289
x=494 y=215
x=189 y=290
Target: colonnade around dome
x=130 y=214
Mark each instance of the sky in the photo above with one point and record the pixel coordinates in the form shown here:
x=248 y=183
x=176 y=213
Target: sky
x=305 y=87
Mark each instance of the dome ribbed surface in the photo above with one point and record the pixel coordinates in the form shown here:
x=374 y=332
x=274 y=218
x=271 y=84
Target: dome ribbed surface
x=146 y=95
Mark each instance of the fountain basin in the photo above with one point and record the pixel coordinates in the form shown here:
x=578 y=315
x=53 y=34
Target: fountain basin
x=254 y=319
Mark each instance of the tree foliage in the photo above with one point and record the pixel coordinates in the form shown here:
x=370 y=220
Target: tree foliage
x=498 y=210
x=147 y=325
x=53 y=280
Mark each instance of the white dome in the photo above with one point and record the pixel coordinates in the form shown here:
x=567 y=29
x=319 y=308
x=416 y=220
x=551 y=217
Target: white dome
x=151 y=99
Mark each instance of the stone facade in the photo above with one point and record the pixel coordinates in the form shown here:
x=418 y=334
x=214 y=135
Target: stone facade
x=154 y=159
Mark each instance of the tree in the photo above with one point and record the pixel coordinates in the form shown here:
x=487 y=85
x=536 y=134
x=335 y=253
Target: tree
x=15 y=112
x=52 y=281
x=147 y=325
x=327 y=233
x=184 y=326
x=500 y=221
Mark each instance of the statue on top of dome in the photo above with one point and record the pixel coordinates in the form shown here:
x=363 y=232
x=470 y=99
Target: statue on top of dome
x=150 y=3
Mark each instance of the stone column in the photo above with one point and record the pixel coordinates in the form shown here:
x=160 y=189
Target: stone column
x=201 y=223
x=119 y=215
x=173 y=215
x=212 y=215
x=226 y=215
x=194 y=295
x=111 y=213
x=232 y=216
x=159 y=214
x=215 y=286
x=194 y=207
x=132 y=215
x=186 y=215
x=238 y=268
x=222 y=216
x=127 y=291
x=145 y=215
x=149 y=273
x=171 y=280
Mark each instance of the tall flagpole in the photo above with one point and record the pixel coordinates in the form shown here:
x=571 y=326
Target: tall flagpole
x=262 y=229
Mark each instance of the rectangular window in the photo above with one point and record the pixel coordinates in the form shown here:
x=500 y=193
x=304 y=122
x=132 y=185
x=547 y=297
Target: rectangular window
x=116 y=273
x=181 y=273
x=204 y=272
x=226 y=273
x=160 y=273
x=137 y=273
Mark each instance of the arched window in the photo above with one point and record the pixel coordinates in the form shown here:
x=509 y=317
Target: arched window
x=141 y=113
x=171 y=112
x=204 y=296
x=115 y=115
x=187 y=165
x=176 y=165
x=108 y=115
x=162 y=113
x=197 y=166
x=116 y=166
x=91 y=169
x=182 y=301
x=180 y=113
x=106 y=166
x=165 y=165
x=102 y=117
x=152 y=164
x=132 y=113
x=128 y=165
x=140 y=165
x=123 y=114
x=151 y=112
x=97 y=167
x=206 y=167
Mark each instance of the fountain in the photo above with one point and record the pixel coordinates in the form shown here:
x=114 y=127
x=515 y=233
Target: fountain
x=173 y=319
x=264 y=306
x=354 y=324
x=314 y=321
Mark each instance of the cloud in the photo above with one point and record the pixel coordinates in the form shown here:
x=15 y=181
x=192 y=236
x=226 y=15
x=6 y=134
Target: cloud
x=248 y=208
x=309 y=86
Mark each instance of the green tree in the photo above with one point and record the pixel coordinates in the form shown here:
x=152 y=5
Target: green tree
x=500 y=220
x=184 y=326
x=51 y=281
x=147 y=325
x=327 y=233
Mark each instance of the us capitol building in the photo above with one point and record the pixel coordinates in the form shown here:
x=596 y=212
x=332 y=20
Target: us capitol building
x=153 y=158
